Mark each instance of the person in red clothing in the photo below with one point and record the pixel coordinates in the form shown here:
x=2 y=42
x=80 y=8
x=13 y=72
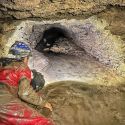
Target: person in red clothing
x=16 y=89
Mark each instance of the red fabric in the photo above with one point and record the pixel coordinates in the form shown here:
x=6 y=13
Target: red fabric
x=17 y=113
x=11 y=76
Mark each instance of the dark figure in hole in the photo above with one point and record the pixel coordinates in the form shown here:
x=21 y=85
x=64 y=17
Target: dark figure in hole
x=49 y=37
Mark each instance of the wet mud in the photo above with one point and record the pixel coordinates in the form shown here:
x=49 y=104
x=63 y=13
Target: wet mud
x=76 y=103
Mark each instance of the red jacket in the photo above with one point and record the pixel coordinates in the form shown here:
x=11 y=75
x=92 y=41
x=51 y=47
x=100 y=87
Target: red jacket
x=11 y=76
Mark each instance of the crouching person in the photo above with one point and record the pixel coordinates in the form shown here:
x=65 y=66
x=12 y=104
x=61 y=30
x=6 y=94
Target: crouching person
x=15 y=85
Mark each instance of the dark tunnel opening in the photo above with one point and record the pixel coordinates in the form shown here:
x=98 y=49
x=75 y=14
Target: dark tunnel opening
x=50 y=37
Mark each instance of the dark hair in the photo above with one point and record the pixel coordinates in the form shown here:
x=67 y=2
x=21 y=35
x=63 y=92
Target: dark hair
x=7 y=61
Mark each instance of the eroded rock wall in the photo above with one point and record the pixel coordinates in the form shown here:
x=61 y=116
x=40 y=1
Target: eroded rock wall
x=46 y=9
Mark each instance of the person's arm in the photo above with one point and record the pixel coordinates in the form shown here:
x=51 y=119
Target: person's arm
x=26 y=93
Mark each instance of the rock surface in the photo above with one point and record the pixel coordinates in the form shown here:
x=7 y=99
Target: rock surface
x=98 y=46
x=48 y=9
x=101 y=102
x=77 y=103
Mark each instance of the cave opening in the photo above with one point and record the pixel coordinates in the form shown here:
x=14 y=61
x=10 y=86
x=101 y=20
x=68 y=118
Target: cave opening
x=80 y=55
x=51 y=37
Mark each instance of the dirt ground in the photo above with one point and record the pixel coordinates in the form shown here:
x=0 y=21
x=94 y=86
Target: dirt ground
x=76 y=103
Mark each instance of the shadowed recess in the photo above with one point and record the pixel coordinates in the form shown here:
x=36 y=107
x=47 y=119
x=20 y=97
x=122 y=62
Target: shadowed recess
x=50 y=37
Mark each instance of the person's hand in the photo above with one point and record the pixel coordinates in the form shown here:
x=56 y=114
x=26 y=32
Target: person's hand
x=37 y=81
x=48 y=106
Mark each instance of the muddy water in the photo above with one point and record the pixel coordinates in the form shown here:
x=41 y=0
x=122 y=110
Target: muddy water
x=75 y=103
